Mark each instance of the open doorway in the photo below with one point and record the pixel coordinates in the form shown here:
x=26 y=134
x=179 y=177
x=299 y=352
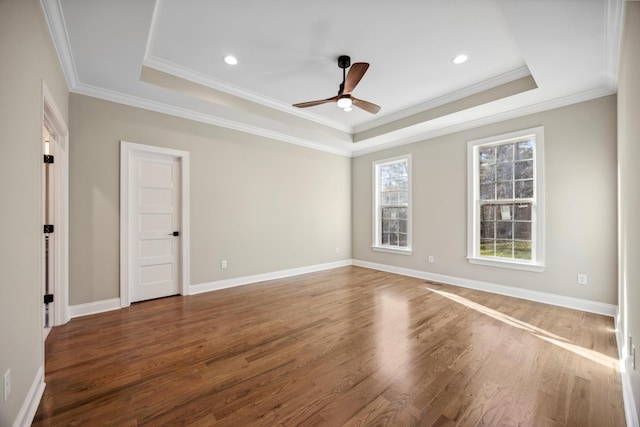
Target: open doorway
x=54 y=215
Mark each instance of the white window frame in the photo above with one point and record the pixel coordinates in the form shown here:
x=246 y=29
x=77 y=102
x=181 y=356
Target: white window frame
x=377 y=220
x=473 y=203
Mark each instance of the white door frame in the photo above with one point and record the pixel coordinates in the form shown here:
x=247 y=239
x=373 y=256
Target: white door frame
x=127 y=151
x=53 y=119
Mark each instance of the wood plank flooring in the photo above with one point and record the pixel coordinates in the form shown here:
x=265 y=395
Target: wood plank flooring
x=345 y=347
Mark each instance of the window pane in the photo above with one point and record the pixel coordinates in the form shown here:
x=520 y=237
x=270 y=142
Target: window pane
x=504 y=172
x=524 y=189
x=393 y=239
x=504 y=212
x=487 y=155
x=523 y=212
x=504 y=190
x=403 y=197
x=505 y=153
x=487 y=212
x=487 y=173
x=487 y=191
x=402 y=213
x=522 y=250
x=488 y=230
x=402 y=239
x=504 y=248
x=504 y=229
x=394 y=226
x=487 y=247
x=403 y=226
x=385 y=226
x=524 y=170
x=524 y=150
x=385 y=238
x=522 y=230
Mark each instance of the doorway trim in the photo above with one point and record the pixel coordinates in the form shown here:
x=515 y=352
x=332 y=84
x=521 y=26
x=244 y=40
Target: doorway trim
x=127 y=151
x=53 y=119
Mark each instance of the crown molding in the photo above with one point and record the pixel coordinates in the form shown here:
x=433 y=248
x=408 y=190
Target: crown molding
x=205 y=80
x=487 y=120
x=159 y=107
x=613 y=36
x=473 y=89
x=58 y=30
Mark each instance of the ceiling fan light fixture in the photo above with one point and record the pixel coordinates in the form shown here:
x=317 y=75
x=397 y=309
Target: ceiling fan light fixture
x=347 y=109
x=344 y=102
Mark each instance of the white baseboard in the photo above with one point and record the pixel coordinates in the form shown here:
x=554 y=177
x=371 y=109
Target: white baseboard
x=559 y=300
x=30 y=405
x=246 y=280
x=630 y=410
x=94 y=307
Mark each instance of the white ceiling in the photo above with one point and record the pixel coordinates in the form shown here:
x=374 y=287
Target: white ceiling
x=166 y=55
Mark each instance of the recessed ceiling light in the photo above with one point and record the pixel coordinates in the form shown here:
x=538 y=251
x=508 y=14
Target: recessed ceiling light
x=230 y=59
x=460 y=59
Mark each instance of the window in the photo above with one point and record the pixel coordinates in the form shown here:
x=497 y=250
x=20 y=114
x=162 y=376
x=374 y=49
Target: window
x=505 y=200
x=392 y=205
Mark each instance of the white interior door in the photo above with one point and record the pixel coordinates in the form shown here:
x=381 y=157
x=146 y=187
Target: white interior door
x=154 y=221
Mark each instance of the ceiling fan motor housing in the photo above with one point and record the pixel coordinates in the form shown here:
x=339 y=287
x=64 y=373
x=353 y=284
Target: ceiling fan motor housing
x=344 y=61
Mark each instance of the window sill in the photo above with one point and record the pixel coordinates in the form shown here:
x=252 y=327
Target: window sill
x=392 y=250
x=539 y=268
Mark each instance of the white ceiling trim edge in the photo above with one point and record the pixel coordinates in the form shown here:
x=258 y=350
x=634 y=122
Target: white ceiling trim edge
x=204 y=80
x=133 y=101
x=473 y=89
x=58 y=29
x=613 y=35
x=483 y=121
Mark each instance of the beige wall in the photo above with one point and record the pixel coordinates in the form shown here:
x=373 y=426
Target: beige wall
x=629 y=192
x=262 y=205
x=28 y=57
x=580 y=173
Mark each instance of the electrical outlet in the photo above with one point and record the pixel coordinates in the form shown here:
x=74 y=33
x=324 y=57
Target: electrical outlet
x=7 y=384
x=223 y=263
x=582 y=279
x=431 y=259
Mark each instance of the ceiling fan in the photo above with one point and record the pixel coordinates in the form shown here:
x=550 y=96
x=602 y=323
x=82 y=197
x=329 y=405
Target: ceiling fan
x=344 y=99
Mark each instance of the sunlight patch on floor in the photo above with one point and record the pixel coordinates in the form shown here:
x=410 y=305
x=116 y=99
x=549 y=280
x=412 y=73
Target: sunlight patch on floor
x=547 y=336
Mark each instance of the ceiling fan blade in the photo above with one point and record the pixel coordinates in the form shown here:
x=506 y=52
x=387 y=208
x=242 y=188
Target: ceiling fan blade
x=365 y=105
x=356 y=72
x=313 y=103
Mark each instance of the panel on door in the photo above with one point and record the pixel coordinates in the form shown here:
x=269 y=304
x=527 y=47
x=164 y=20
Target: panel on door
x=155 y=205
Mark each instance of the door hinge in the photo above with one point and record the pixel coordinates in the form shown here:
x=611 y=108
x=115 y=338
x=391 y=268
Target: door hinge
x=48 y=228
x=48 y=298
x=48 y=158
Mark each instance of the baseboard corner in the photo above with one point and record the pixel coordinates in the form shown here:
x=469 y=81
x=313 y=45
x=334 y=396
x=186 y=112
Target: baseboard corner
x=32 y=401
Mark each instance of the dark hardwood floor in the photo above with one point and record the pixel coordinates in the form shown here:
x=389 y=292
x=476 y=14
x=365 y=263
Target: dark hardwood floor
x=349 y=346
